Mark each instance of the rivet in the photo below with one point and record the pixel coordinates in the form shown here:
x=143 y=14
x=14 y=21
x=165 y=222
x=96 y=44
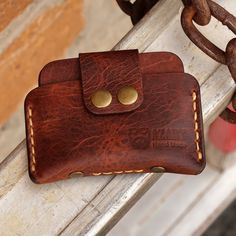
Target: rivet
x=101 y=98
x=77 y=173
x=127 y=95
x=158 y=169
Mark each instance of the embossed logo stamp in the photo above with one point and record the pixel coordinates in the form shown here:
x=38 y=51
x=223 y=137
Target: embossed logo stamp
x=139 y=138
x=142 y=138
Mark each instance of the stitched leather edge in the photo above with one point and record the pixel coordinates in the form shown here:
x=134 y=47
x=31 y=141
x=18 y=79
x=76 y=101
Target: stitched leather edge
x=117 y=172
x=33 y=158
x=196 y=126
x=94 y=77
x=196 y=129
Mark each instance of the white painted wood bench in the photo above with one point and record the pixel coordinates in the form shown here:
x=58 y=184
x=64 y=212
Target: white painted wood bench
x=92 y=205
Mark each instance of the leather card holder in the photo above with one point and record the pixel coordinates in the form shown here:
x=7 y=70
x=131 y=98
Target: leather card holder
x=160 y=131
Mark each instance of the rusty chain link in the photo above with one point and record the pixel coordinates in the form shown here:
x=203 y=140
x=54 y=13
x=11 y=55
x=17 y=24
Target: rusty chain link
x=199 y=11
x=227 y=57
x=203 y=12
x=198 y=39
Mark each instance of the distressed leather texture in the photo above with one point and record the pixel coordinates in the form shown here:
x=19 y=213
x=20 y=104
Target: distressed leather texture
x=107 y=69
x=65 y=136
x=69 y=69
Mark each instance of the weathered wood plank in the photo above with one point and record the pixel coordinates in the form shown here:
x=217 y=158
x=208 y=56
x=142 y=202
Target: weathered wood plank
x=32 y=36
x=11 y=12
x=30 y=209
x=93 y=37
x=15 y=28
x=216 y=93
x=209 y=206
x=151 y=26
x=93 y=205
x=12 y=168
x=175 y=201
x=99 y=216
x=12 y=132
x=164 y=204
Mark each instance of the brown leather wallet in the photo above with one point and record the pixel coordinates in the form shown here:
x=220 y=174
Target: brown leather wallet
x=114 y=112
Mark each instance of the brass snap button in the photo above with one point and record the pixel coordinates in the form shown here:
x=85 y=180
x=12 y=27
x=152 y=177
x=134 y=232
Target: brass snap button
x=158 y=169
x=127 y=95
x=101 y=98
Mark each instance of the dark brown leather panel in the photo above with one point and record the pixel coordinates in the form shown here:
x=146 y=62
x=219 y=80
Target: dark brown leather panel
x=60 y=71
x=112 y=72
x=63 y=137
x=160 y=62
x=69 y=69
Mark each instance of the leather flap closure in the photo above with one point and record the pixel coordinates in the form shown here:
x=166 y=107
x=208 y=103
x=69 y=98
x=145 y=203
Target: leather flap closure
x=111 y=81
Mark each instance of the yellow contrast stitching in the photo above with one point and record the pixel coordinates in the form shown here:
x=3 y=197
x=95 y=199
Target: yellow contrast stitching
x=118 y=172
x=33 y=162
x=197 y=139
x=197 y=136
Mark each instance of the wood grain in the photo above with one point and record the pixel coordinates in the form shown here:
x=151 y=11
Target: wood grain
x=23 y=58
x=164 y=204
x=205 y=211
x=11 y=9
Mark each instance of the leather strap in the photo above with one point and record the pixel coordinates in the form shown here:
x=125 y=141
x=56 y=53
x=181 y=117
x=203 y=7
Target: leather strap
x=110 y=71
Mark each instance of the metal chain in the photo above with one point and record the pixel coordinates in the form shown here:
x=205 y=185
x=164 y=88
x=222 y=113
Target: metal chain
x=227 y=57
x=203 y=12
x=199 y=11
